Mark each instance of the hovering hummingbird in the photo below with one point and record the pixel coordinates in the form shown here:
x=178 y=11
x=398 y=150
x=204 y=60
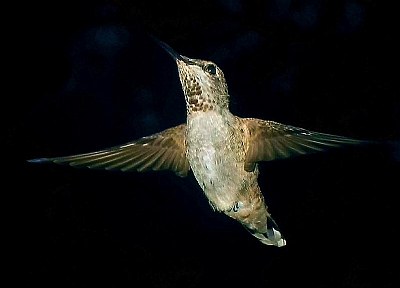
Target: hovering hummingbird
x=222 y=150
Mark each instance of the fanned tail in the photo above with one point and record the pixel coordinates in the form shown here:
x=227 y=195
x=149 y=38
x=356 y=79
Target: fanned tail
x=272 y=236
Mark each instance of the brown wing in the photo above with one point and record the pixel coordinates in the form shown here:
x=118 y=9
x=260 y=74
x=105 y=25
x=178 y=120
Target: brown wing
x=270 y=140
x=161 y=151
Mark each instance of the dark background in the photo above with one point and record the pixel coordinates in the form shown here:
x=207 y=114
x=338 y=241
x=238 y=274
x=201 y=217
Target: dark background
x=89 y=77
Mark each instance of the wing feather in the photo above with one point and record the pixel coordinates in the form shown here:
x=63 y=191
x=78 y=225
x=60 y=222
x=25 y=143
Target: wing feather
x=161 y=151
x=269 y=140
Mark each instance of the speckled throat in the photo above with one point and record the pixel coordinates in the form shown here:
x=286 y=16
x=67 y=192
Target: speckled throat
x=203 y=83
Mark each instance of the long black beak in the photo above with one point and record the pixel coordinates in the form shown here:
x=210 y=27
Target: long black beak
x=172 y=52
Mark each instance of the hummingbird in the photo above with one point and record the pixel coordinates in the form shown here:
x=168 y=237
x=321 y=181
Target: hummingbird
x=221 y=149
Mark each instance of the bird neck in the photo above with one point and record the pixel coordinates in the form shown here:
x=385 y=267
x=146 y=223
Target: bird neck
x=202 y=102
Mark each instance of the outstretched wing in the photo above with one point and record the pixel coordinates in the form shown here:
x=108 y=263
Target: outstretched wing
x=269 y=140
x=162 y=151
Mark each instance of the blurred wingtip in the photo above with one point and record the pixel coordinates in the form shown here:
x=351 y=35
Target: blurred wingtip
x=39 y=160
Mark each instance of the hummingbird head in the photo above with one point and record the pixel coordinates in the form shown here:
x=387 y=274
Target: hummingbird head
x=203 y=83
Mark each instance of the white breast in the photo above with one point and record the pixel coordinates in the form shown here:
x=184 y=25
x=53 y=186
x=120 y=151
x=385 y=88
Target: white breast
x=214 y=158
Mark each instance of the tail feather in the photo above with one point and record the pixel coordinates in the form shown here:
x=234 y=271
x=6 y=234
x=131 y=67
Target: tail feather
x=272 y=236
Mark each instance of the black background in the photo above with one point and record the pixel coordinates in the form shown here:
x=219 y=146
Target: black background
x=89 y=77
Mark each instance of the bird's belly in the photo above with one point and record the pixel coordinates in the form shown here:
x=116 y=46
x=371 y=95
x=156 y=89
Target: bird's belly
x=218 y=175
x=215 y=155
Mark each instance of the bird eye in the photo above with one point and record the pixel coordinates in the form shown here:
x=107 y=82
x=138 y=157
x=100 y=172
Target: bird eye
x=210 y=68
